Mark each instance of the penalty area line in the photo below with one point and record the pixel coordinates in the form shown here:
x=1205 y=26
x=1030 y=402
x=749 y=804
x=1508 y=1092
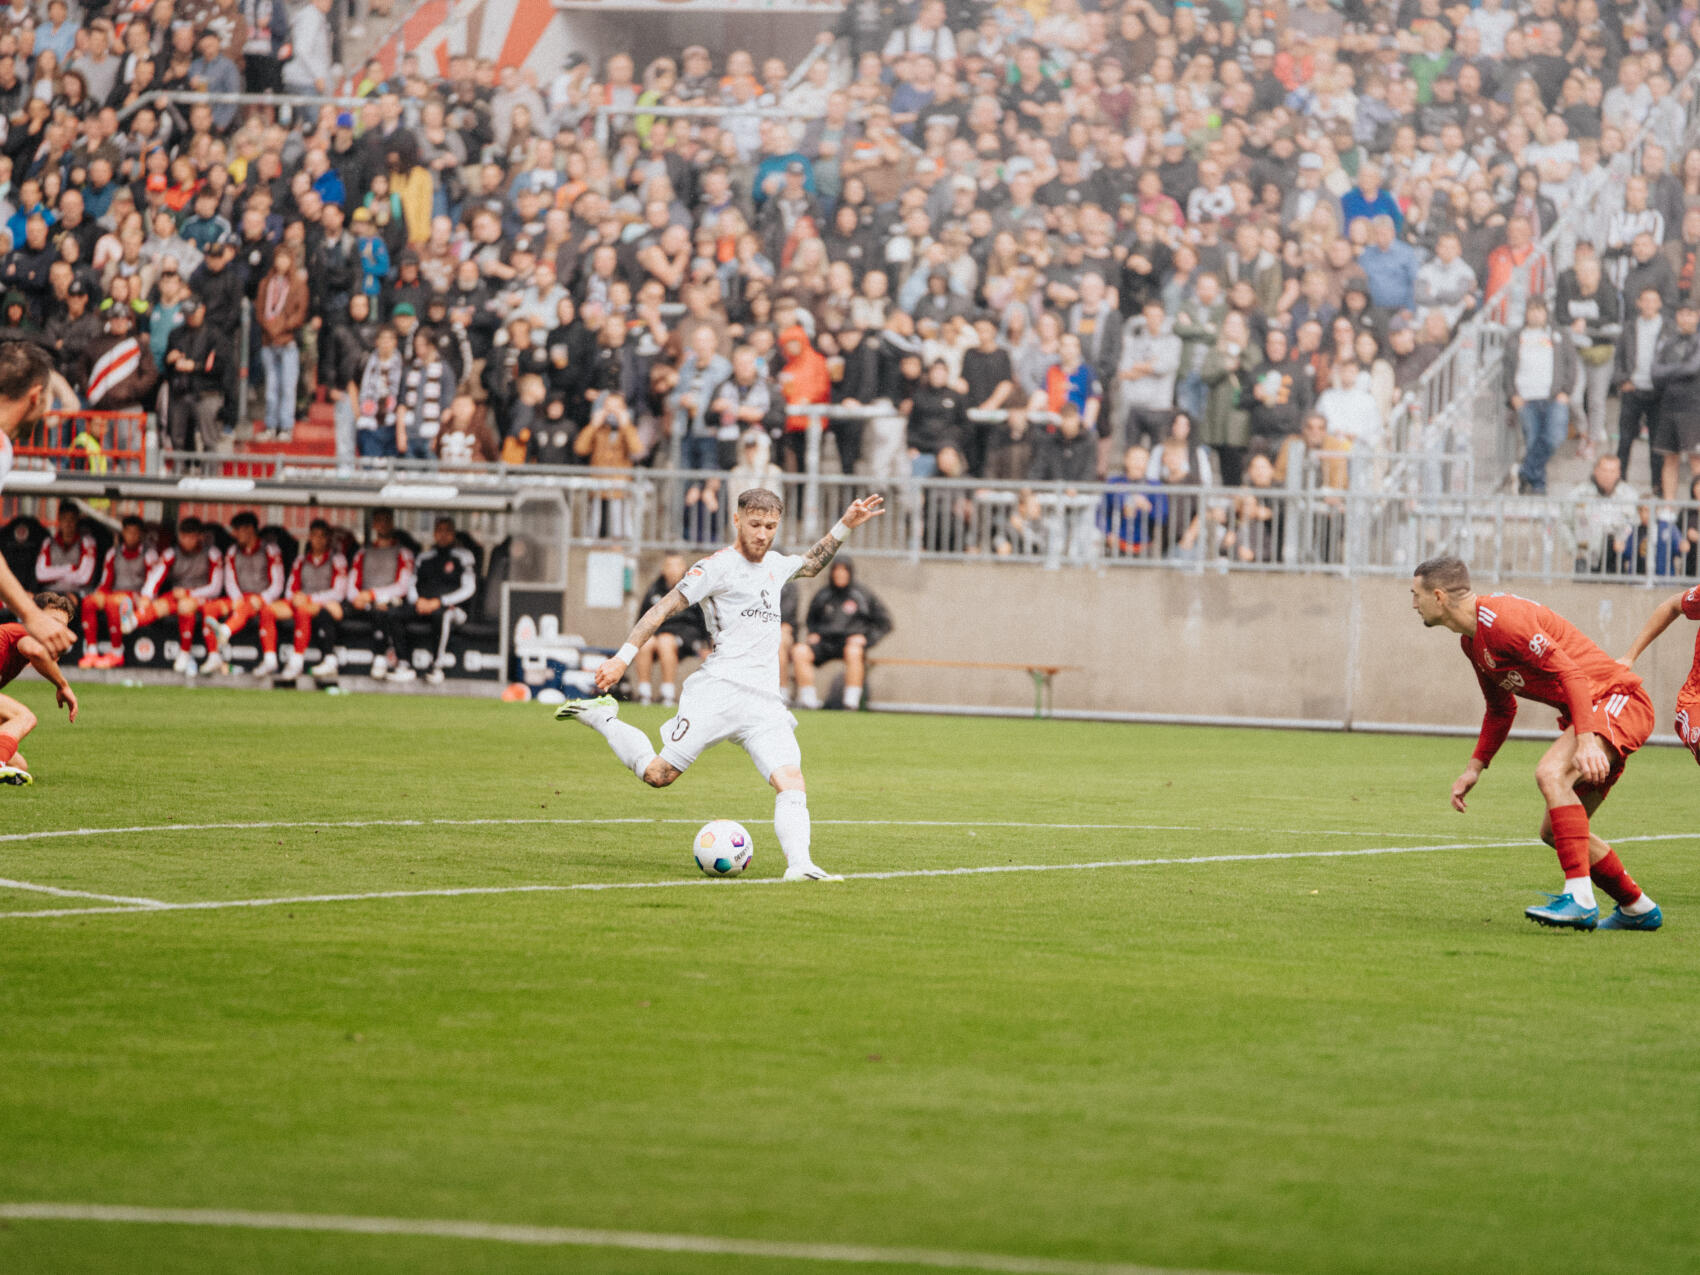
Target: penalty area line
x=580 y=1237
x=216 y=905
x=6 y=883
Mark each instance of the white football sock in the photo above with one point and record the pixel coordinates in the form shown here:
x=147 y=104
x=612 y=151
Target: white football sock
x=808 y=698
x=852 y=697
x=791 y=826
x=1581 y=889
x=629 y=743
x=669 y=692
x=1642 y=905
x=644 y=693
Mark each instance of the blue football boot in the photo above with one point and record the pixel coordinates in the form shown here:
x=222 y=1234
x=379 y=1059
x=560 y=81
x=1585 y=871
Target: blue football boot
x=1621 y=920
x=1564 y=913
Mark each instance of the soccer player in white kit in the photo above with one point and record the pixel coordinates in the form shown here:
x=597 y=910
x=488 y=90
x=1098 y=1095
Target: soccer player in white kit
x=25 y=374
x=735 y=694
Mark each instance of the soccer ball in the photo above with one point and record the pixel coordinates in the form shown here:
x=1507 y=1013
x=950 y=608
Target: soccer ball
x=723 y=848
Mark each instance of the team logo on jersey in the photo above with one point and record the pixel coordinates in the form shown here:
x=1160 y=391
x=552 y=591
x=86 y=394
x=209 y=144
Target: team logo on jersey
x=1683 y=731
x=1539 y=644
x=1488 y=660
x=763 y=612
x=1512 y=681
x=694 y=573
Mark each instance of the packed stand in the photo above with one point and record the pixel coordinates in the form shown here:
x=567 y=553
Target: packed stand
x=1175 y=248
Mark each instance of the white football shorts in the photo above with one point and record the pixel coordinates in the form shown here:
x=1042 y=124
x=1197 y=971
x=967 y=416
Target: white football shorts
x=712 y=710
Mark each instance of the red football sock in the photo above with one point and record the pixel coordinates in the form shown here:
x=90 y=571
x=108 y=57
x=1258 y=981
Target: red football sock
x=1612 y=877
x=303 y=631
x=186 y=629
x=268 y=630
x=115 y=622
x=1570 y=839
x=90 y=614
x=8 y=749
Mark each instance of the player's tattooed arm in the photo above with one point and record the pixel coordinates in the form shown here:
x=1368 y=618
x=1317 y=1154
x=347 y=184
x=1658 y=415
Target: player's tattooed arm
x=815 y=560
x=860 y=511
x=657 y=615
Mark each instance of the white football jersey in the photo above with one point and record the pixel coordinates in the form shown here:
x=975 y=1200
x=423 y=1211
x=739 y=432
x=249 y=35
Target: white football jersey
x=740 y=602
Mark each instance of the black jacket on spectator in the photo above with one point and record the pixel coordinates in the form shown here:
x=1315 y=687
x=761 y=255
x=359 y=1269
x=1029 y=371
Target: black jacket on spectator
x=936 y=419
x=1654 y=273
x=848 y=612
x=221 y=292
x=198 y=343
x=1627 y=340
x=1067 y=460
x=1676 y=374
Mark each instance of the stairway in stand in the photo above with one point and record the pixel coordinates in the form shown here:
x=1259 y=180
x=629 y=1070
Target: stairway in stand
x=314 y=436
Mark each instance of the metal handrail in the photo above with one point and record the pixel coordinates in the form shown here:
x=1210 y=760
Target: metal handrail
x=189 y=97
x=1471 y=360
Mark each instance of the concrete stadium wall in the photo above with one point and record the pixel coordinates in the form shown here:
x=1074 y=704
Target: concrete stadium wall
x=1295 y=648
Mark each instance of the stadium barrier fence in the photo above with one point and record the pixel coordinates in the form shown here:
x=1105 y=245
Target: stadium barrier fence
x=1377 y=513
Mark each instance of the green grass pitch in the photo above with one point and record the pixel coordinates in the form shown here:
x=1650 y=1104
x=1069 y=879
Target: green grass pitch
x=1353 y=1063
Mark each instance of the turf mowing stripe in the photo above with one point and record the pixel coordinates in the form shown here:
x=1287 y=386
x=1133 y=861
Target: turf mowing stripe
x=213 y=905
x=578 y=1237
x=8 y=884
x=52 y=833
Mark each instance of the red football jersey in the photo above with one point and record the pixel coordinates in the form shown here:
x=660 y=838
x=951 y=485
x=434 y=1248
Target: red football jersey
x=12 y=661
x=1691 y=608
x=1522 y=648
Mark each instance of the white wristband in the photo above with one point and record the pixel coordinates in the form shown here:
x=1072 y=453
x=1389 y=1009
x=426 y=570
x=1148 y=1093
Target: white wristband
x=627 y=653
x=839 y=531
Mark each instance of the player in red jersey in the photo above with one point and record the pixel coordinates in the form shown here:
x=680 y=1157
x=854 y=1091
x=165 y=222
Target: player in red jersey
x=1522 y=649
x=26 y=377
x=19 y=650
x=318 y=586
x=253 y=580
x=129 y=577
x=1688 y=698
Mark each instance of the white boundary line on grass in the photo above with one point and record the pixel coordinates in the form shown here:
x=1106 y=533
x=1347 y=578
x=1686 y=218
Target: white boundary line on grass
x=53 y=833
x=579 y=1237
x=6 y=883
x=215 y=905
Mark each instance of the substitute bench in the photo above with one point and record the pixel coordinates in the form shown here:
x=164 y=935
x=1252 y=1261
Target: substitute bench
x=1040 y=673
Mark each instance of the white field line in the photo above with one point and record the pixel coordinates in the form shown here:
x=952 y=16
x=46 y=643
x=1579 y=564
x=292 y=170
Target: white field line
x=51 y=834
x=6 y=883
x=215 y=905
x=577 y=1237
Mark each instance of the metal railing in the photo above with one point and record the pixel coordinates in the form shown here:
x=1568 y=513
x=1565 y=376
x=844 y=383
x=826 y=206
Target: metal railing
x=1460 y=390
x=186 y=97
x=1371 y=514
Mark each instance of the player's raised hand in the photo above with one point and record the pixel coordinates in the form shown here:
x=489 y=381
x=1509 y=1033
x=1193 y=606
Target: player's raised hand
x=864 y=510
x=68 y=700
x=609 y=673
x=1461 y=788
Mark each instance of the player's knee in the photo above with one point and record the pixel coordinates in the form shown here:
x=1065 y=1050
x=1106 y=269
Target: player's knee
x=659 y=774
x=801 y=653
x=1552 y=776
x=21 y=722
x=787 y=779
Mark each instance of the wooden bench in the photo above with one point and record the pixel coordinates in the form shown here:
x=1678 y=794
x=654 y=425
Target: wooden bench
x=1040 y=673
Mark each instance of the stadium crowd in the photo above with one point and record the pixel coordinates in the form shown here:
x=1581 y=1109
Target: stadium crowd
x=1178 y=245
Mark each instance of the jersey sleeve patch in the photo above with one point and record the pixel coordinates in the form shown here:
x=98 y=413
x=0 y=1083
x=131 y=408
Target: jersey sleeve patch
x=1691 y=603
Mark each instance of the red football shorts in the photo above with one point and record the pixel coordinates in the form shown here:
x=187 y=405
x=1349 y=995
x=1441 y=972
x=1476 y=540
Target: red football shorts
x=1623 y=719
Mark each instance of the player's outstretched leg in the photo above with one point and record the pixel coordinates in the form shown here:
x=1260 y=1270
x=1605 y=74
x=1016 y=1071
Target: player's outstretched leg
x=791 y=825
x=630 y=745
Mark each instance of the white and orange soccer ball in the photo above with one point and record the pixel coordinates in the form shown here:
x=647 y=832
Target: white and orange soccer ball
x=723 y=848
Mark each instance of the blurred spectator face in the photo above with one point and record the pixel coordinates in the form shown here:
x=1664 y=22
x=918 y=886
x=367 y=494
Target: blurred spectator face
x=1687 y=319
x=1135 y=461
x=1608 y=472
